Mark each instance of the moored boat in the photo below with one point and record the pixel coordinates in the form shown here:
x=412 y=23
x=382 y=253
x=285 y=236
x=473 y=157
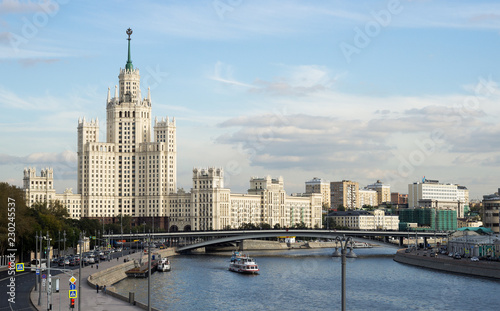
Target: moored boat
x=242 y=263
x=163 y=265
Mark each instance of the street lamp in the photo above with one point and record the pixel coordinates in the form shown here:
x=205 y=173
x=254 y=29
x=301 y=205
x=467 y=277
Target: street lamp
x=344 y=244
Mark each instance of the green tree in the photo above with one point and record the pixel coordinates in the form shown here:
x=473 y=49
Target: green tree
x=15 y=214
x=264 y=226
x=341 y=208
x=247 y=226
x=300 y=225
x=277 y=226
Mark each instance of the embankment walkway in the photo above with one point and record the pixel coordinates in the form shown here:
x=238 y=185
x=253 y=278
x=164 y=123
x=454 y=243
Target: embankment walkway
x=108 y=273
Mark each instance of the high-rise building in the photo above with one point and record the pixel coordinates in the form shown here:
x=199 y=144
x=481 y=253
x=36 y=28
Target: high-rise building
x=367 y=197
x=344 y=193
x=431 y=193
x=383 y=192
x=129 y=173
x=491 y=209
x=318 y=185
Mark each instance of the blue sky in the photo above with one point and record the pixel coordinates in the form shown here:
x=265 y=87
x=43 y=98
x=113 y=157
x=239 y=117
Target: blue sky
x=359 y=90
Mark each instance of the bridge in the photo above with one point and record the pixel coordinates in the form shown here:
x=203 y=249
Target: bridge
x=189 y=240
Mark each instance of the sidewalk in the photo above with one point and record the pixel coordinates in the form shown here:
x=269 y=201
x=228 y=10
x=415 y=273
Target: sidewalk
x=89 y=298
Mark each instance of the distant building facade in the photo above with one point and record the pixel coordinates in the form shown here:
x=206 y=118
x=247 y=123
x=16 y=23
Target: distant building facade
x=363 y=220
x=383 y=192
x=367 y=197
x=491 y=209
x=452 y=195
x=40 y=189
x=428 y=219
x=318 y=185
x=345 y=193
x=399 y=198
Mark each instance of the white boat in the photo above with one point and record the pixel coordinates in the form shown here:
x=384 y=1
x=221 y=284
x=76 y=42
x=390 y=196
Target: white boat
x=241 y=263
x=163 y=265
x=362 y=245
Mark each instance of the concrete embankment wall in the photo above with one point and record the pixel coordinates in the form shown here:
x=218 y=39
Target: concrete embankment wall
x=275 y=245
x=115 y=274
x=463 y=266
x=262 y=245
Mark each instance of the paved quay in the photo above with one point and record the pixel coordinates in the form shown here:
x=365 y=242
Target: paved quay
x=421 y=258
x=89 y=298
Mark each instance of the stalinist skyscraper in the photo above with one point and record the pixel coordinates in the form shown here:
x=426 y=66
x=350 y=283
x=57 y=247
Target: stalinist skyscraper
x=129 y=174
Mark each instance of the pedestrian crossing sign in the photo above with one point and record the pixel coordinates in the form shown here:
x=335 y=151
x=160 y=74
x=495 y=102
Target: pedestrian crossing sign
x=72 y=293
x=19 y=267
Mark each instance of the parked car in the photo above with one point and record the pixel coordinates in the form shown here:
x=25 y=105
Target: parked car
x=457 y=256
x=474 y=259
x=91 y=259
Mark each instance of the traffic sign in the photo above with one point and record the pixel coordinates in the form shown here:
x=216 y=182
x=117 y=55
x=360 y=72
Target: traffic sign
x=72 y=293
x=44 y=276
x=37 y=271
x=72 y=286
x=72 y=280
x=19 y=267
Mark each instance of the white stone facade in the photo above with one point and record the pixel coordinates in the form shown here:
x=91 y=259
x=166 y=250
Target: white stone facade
x=362 y=220
x=438 y=193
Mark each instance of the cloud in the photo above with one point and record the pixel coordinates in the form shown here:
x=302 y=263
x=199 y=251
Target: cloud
x=63 y=163
x=5 y=37
x=294 y=81
x=34 y=61
x=16 y=6
x=40 y=158
x=224 y=73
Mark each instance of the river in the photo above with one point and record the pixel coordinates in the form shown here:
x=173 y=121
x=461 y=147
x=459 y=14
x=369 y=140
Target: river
x=311 y=280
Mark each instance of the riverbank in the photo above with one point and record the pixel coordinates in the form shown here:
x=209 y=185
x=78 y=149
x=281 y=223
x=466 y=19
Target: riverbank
x=489 y=269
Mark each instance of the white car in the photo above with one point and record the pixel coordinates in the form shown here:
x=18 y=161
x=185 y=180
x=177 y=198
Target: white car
x=35 y=264
x=474 y=259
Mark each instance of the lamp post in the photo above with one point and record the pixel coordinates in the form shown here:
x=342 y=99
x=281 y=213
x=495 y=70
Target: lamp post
x=64 y=248
x=344 y=244
x=36 y=259
x=80 y=242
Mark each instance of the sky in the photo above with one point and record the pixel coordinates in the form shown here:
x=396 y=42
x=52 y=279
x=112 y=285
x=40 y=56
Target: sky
x=355 y=90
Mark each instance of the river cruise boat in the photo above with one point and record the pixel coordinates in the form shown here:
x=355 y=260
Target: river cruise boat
x=163 y=265
x=241 y=263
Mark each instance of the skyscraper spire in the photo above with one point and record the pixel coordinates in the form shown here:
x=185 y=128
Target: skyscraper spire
x=129 y=66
